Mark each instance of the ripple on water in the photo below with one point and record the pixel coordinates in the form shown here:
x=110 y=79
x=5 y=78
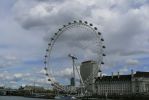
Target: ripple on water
x=19 y=98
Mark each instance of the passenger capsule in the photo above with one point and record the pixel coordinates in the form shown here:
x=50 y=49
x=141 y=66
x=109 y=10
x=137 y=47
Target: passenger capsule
x=52 y=84
x=47 y=50
x=45 y=56
x=80 y=21
x=75 y=21
x=95 y=28
x=85 y=22
x=49 y=44
x=55 y=33
x=102 y=62
x=99 y=70
x=45 y=68
x=102 y=39
x=103 y=46
x=99 y=33
x=91 y=24
x=52 y=38
x=64 y=25
x=103 y=54
x=69 y=23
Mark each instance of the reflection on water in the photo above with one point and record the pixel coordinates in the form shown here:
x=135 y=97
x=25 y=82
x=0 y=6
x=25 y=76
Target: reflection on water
x=18 y=98
x=24 y=98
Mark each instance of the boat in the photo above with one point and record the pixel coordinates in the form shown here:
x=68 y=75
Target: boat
x=36 y=95
x=65 y=97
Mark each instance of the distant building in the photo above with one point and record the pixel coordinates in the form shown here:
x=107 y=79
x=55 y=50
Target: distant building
x=2 y=87
x=72 y=81
x=71 y=89
x=89 y=70
x=2 y=91
x=123 y=84
x=34 y=88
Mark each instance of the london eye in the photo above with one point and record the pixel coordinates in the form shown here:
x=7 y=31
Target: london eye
x=73 y=43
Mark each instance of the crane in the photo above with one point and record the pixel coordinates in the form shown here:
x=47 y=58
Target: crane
x=73 y=63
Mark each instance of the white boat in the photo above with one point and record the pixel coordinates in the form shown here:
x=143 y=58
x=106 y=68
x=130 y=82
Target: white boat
x=65 y=97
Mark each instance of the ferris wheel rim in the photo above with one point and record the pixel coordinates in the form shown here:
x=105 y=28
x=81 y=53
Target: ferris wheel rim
x=60 y=32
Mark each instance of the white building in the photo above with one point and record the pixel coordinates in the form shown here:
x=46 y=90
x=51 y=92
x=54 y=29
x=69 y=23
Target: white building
x=89 y=70
x=140 y=82
x=123 y=84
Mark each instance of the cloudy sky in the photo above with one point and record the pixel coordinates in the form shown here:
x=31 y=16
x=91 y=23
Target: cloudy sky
x=26 y=24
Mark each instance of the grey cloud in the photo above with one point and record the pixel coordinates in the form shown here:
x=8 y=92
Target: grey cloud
x=55 y=14
x=7 y=61
x=121 y=22
x=137 y=52
x=132 y=62
x=123 y=38
x=52 y=1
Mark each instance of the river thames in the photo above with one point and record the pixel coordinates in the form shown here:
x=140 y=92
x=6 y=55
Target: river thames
x=19 y=98
x=24 y=98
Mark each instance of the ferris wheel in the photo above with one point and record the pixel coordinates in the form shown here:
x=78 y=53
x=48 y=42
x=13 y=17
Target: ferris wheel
x=64 y=43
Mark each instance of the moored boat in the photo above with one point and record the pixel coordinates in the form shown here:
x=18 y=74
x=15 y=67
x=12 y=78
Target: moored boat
x=65 y=97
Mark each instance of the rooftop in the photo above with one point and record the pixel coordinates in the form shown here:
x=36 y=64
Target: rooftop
x=89 y=61
x=123 y=77
x=141 y=74
x=120 y=78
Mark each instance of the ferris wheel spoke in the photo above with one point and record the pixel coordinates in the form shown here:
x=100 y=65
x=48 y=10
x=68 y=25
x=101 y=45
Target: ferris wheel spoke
x=98 y=44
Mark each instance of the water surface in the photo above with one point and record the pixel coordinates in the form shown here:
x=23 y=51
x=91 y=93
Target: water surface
x=19 y=98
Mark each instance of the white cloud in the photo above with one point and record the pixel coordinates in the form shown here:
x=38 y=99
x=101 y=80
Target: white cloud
x=123 y=70
x=65 y=73
x=18 y=75
x=124 y=24
x=132 y=62
x=42 y=71
x=8 y=61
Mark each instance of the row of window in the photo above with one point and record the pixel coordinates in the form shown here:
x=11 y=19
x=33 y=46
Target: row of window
x=114 y=91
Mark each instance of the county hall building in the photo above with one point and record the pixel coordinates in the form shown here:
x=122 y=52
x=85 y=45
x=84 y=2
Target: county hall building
x=116 y=85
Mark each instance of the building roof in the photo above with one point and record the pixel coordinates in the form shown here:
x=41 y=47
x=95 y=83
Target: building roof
x=89 y=61
x=141 y=74
x=120 y=78
x=123 y=77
